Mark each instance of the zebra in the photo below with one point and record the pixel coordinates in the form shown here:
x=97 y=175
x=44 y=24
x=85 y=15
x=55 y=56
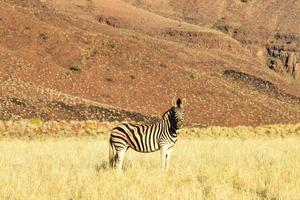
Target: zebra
x=147 y=138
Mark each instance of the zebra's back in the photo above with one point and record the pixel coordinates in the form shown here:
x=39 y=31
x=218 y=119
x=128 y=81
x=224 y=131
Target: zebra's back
x=141 y=138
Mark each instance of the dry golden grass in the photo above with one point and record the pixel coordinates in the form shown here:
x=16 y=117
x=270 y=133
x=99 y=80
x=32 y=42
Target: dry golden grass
x=34 y=127
x=75 y=168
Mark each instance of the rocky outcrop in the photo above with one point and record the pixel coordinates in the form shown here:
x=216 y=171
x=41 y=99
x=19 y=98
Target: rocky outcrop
x=282 y=61
x=238 y=32
x=283 y=54
x=110 y=21
x=202 y=39
x=261 y=85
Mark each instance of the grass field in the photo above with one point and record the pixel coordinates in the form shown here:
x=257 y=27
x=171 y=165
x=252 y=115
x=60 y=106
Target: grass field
x=221 y=168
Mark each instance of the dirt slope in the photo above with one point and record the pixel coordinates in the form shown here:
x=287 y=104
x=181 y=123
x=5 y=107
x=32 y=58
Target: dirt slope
x=116 y=54
x=264 y=27
x=19 y=98
x=249 y=21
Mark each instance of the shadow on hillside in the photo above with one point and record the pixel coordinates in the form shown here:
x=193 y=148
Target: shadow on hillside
x=261 y=85
x=59 y=110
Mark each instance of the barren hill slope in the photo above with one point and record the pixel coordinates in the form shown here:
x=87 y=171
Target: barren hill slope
x=249 y=21
x=270 y=29
x=117 y=54
x=19 y=98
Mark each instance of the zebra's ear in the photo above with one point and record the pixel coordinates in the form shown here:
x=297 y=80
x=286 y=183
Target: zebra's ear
x=178 y=102
x=183 y=102
x=174 y=101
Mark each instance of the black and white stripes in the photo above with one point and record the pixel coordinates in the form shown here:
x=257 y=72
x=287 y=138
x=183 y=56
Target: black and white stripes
x=147 y=138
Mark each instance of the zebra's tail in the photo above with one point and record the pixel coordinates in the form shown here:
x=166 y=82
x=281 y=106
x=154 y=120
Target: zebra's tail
x=112 y=154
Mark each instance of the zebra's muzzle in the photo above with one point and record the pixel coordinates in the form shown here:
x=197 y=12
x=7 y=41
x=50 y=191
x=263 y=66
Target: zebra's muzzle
x=180 y=124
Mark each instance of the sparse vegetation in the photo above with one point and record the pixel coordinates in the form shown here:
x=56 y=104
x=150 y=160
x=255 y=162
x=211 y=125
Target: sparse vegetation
x=162 y=65
x=113 y=45
x=109 y=80
x=132 y=76
x=44 y=36
x=245 y=1
x=75 y=68
x=37 y=127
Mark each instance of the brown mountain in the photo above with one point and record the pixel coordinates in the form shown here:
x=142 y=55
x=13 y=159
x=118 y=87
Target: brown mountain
x=74 y=59
x=269 y=29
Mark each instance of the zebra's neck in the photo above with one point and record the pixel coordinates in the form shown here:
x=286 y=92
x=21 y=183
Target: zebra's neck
x=169 y=125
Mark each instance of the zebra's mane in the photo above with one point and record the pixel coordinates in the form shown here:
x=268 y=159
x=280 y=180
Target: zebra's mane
x=169 y=112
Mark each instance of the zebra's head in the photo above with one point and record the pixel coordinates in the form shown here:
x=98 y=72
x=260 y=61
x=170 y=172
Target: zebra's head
x=179 y=112
x=176 y=114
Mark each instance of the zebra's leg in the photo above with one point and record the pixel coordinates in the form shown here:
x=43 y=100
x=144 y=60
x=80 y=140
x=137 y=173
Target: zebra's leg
x=120 y=158
x=168 y=156
x=112 y=154
x=163 y=157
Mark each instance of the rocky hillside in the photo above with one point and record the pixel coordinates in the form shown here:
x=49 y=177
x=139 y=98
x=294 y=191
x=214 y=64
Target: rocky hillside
x=26 y=100
x=117 y=60
x=270 y=29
